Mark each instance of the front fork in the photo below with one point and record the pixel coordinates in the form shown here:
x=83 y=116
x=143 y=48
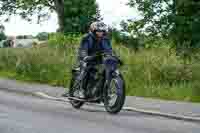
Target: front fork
x=108 y=78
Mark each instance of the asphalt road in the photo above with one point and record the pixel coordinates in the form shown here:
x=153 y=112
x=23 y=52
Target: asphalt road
x=27 y=114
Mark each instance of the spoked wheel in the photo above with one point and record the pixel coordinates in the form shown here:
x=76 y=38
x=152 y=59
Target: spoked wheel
x=73 y=92
x=115 y=96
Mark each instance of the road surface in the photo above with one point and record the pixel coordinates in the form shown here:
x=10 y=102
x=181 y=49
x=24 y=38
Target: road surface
x=27 y=114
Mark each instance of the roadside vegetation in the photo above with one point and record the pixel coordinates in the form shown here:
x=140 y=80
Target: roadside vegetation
x=149 y=72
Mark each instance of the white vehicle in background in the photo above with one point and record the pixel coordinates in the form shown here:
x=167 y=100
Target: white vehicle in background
x=25 y=42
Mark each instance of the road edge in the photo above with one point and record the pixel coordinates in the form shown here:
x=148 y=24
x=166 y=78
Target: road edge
x=147 y=112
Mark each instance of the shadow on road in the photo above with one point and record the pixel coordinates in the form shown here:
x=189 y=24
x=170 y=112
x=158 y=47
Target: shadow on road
x=101 y=110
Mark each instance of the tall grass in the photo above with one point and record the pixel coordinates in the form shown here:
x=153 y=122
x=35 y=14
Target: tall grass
x=159 y=73
x=154 y=72
x=44 y=65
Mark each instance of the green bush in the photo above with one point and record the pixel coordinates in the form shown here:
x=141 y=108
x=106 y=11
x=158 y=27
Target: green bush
x=126 y=40
x=42 y=36
x=59 y=40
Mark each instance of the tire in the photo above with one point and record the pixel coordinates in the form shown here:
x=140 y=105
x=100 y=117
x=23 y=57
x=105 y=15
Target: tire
x=75 y=103
x=120 y=99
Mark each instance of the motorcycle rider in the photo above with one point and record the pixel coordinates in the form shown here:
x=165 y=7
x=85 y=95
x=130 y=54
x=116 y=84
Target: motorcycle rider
x=95 y=41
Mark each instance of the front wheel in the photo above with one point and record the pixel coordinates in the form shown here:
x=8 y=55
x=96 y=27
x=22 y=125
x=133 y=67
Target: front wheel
x=115 y=95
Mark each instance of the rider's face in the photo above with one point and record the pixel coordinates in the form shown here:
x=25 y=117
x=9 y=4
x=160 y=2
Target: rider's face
x=99 y=34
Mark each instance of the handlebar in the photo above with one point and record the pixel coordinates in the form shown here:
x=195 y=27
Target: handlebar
x=104 y=55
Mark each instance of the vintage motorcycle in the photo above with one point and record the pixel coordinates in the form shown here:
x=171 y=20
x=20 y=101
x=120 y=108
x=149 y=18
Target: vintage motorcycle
x=101 y=83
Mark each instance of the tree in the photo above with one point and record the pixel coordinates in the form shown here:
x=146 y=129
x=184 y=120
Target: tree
x=2 y=28
x=80 y=14
x=2 y=34
x=157 y=16
x=175 y=19
x=69 y=12
x=124 y=25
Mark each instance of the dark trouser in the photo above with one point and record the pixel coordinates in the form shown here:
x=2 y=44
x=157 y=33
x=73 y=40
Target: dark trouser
x=84 y=70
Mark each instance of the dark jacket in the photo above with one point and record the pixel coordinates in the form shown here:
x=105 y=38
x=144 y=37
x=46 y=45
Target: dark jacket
x=89 y=46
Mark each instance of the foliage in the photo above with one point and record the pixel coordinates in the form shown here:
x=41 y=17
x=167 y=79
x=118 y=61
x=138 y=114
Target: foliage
x=71 y=14
x=27 y=8
x=42 y=36
x=2 y=34
x=157 y=16
x=2 y=28
x=79 y=15
x=175 y=19
x=124 y=38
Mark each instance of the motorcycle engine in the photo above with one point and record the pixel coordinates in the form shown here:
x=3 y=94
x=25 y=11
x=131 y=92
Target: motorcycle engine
x=93 y=82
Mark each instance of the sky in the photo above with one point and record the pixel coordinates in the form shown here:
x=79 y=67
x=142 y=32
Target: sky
x=113 y=11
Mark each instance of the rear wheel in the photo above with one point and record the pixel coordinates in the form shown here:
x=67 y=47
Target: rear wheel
x=115 y=95
x=74 y=89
